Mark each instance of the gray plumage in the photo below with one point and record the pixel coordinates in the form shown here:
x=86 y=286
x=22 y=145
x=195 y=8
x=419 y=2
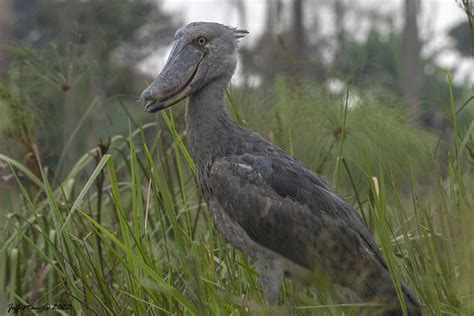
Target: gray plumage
x=264 y=202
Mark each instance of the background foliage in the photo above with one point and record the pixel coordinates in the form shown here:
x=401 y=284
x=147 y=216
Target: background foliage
x=99 y=207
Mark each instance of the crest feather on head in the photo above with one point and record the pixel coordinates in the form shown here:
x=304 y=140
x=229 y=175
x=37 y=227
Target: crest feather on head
x=239 y=33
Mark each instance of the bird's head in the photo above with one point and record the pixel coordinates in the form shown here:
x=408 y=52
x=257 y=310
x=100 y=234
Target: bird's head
x=201 y=52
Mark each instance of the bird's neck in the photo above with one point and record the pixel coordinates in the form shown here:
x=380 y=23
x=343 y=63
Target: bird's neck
x=207 y=102
x=209 y=127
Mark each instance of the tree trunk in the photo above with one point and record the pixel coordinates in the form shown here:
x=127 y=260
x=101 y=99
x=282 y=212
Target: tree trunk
x=269 y=52
x=411 y=55
x=94 y=51
x=339 y=14
x=241 y=8
x=242 y=12
x=298 y=43
x=6 y=18
x=71 y=112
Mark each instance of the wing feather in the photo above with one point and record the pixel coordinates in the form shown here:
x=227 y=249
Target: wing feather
x=274 y=214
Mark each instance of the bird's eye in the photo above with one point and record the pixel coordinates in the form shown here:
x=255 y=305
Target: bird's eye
x=202 y=40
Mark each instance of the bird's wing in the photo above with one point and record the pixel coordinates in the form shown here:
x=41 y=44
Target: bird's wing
x=290 y=178
x=285 y=208
x=288 y=209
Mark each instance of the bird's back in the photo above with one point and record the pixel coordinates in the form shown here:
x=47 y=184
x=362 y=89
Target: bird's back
x=285 y=207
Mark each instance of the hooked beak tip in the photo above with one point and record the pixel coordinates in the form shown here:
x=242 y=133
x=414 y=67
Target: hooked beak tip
x=147 y=101
x=150 y=106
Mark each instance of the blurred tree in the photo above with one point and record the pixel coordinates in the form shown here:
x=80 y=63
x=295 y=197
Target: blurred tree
x=375 y=65
x=269 y=48
x=339 y=9
x=285 y=48
x=298 y=43
x=242 y=12
x=461 y=36
x=116 y=25
x=386 y=62
x=411 y=54
x=241 y=8
x=97 y=45
x=6 y=16
x=372 y=62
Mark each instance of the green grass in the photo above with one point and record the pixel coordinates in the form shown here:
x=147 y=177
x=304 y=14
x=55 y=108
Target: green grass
x=125 y=231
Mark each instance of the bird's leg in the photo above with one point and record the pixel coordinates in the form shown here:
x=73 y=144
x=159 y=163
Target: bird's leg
x=270 y=278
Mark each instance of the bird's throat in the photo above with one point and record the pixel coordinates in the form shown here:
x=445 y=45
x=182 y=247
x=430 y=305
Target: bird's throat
x=208 y=101
x=209 y=127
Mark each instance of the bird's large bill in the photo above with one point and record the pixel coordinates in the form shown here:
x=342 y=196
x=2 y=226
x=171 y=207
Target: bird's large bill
x=174 y=82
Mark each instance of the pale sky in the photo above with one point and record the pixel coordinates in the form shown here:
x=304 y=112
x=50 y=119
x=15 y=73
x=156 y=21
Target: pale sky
x=437 y=16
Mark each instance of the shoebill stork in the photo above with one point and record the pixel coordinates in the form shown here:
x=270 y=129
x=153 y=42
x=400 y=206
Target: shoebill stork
x=262 y=200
